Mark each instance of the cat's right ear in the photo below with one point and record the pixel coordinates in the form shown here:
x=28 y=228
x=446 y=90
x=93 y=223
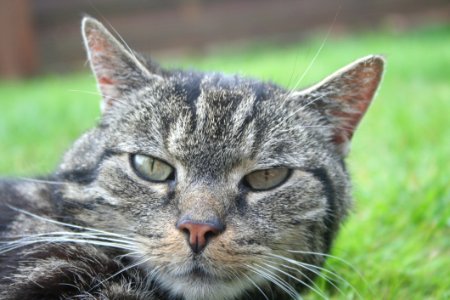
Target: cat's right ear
x=344 y=97
x=116 y=68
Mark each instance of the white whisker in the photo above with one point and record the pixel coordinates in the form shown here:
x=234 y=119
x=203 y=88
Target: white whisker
x=296 y=112
x=129 y=254
x=65 y=224
x=322 y=45
x=305 y=72
x=23 y=243
x=318 y=273
x=41 y=180
x=296 y=279
x=276 y=280
x=117 y=100
x=70 y=233
x=121 y=271
x=308 y=266
x=256 y=286
x=326 y=255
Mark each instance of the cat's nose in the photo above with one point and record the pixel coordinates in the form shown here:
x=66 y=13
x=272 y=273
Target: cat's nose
x=200 y=233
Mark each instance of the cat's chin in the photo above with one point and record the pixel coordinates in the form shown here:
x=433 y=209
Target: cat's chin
x=198 y=283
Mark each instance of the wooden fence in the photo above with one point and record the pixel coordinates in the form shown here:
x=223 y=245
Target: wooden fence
x=44 y=35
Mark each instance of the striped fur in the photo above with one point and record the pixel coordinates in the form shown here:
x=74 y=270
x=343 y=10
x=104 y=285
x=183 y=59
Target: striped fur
x=96 y=230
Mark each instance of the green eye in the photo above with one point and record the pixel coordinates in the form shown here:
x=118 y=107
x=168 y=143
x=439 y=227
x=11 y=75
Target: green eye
x=151 y=168
x=266 y=179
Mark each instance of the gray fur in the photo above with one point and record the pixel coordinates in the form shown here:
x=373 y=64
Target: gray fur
x=213 y=129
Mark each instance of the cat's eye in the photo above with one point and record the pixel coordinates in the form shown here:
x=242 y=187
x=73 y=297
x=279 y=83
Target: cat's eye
x=151 y=168
x=267 y=179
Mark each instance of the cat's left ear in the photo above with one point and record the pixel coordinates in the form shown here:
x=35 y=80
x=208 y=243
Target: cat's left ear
x=344 y=97
x=116 y=68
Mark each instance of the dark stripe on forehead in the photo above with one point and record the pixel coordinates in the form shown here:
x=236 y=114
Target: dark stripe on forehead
x=188 y=85
x=330 y=218
x=263 y=92
x=191 y=87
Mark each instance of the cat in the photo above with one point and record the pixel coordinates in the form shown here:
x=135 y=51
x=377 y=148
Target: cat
x=192 y=186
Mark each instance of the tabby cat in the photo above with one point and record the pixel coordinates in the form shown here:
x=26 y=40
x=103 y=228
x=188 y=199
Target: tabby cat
x=192 y=186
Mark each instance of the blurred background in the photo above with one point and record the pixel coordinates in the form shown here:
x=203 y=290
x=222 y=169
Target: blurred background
x=396 y=244
x=43 y=35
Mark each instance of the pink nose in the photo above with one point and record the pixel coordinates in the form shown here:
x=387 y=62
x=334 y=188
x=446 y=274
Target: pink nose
x=199 y=234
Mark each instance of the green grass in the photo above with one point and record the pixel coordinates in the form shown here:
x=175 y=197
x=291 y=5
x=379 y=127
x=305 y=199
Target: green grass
x=398 y=238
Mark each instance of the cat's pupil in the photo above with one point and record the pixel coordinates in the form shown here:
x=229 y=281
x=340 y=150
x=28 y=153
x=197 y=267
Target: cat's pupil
x=153 y=165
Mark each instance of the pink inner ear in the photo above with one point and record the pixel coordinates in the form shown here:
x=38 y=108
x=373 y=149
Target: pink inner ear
x=105 y=80
x=349 y=119
x=345 y=132
x=97 y=42
x=96 y=46
x=108 y=89
x=357 y=90
x=103 y=63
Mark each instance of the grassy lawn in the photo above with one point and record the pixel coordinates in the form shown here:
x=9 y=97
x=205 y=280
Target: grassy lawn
x=397 y=241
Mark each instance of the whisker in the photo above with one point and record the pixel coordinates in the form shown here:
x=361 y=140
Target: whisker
x=307 y=266
x=331 y=276
x=20 y=244
x=131 y=52
x=67 y=233
x=256 y=286
x=330 y=256
x=308 y=68
x=41 y=180
x=105 y=20
x=318 y=273
x=322 y=45
x=296 y=112
x=152 y=275
x=100 y=94
x=278 y=281
x=268 y=278
x=122 y=256
x=65 y=224
x=298 y=280
x=121 y=271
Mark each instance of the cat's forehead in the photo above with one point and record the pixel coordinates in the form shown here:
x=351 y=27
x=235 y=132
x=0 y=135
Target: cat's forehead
x=218 y=118
x=218 y=98
x=214 y=99
x=219 y=87
x=211 y=120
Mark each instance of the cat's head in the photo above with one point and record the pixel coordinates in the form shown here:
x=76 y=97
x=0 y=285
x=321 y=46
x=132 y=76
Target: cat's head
x=222 y=185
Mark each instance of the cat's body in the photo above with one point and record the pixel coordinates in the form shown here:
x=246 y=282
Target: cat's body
x=192 y=186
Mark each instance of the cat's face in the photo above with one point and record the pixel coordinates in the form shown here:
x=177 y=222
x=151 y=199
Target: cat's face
x=221 y=184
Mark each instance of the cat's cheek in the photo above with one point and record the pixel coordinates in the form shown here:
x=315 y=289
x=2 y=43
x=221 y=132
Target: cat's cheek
x=170 y=248
x=118 y=179
x=222 y=247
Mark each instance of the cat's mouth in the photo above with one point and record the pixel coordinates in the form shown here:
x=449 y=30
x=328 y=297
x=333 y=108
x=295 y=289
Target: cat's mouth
x=198 y=272
x=198 y=282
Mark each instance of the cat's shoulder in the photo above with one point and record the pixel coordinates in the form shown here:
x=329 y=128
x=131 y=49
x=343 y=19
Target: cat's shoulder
x=22 y=195
x=30 y=269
